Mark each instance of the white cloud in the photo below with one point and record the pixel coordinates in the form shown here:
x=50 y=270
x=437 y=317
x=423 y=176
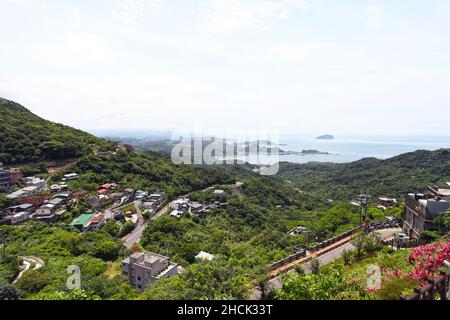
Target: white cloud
x=75 y=48
x=222 y=16
x=32 y=4
x=133 y=11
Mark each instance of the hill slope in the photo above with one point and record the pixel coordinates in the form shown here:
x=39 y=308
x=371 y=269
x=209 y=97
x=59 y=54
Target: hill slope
x=410 y=172
x=25 y=137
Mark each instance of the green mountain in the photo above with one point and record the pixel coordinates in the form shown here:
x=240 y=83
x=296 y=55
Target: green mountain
x=25 y=137
x=410 y=172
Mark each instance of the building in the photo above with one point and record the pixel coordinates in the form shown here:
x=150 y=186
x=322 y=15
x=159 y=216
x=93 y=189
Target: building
x=8 y=177
x=204 y=256
x=25 y=207
x=82 y=222
x=102 y=192
x=19 y=218
x=79 y=194
x=65 y=196
x=24 y=192
x=143 y=268
x=15 y=176
x=57 y=202
x=46 y=213
x=70 y=176
x=37 y=199
x=4 y=179
x=140 y=195
x=384 y=203
x=420 y=211
x=196 y=207
x=181 y=204
x=95 y=223
x=441 y=193
x=35 y=182
x=219 y=193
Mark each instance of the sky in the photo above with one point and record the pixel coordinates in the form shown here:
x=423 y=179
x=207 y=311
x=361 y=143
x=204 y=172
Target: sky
x=296 y=66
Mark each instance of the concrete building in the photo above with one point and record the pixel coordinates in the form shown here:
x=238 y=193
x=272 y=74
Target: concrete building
x=95 y=223
x=35 y=182
x=4 y=179
x=420 y=211
x=143 y=268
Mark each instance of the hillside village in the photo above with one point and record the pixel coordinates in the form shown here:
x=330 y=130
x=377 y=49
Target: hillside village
x=42 y=199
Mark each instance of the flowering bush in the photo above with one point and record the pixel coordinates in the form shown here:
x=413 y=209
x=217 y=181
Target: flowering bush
x=136 y=248
x=428 y=260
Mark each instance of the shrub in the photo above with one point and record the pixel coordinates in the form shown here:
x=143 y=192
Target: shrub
x=395 y=288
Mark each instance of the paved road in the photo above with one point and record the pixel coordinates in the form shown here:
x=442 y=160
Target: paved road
x=27 y=261
x=324 y=259
x=136 y=235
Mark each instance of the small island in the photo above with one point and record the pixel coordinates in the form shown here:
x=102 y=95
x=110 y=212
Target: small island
x=303 y=153
x=326 y=137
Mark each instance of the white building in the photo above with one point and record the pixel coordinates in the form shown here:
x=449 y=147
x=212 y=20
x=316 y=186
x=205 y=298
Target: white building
x=204 y=256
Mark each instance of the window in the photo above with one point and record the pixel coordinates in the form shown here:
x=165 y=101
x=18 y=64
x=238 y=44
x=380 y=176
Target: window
x=139 y=278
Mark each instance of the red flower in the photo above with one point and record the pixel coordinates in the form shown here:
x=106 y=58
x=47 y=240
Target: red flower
x=428 y=260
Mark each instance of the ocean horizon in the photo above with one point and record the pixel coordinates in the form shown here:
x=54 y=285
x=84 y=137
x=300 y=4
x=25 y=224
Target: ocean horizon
x=344 y=149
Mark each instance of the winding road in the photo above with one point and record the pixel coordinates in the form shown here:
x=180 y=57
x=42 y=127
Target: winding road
x=136 y=235
x=27 y=261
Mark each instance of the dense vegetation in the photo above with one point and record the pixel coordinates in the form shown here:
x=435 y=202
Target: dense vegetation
x=25 y=137
x=61 y=247
x=395 y=177
x=147 y=171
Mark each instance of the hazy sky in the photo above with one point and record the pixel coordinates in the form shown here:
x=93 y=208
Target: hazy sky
x=316 y=66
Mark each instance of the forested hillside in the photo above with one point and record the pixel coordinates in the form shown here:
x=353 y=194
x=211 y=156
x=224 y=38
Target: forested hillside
x=410 y=172
x=25 y=137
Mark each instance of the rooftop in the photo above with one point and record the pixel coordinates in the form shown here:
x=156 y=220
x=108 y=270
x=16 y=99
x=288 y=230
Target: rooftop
x=97 y=218
x=204 y=256
x=81 y=220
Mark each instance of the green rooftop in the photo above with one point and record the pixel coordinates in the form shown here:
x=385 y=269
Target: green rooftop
x=81 y=220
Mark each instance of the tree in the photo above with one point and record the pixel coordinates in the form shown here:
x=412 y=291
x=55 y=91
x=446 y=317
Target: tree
x=443 y=222
x=315 y=266
x=127 y=228
x=8 y=292
x=322 y=286
x=347 y=256
x=33 y=281
x=219 y=279
x=112 y=228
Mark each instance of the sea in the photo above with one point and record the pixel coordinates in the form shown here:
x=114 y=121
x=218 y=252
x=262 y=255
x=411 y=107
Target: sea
x=345 y=149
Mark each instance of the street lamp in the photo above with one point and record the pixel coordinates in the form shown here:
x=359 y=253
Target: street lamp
x=447 y=264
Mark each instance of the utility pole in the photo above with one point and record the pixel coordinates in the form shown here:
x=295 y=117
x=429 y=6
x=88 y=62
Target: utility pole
x=364 y=207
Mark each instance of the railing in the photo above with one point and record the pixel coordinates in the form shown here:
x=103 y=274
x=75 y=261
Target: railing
x=285 y=261
x=302 y=254
x=435 y=287
x=332 y=241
